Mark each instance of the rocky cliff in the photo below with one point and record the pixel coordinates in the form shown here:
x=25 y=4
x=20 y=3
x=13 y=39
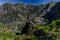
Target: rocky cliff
x=20 y=17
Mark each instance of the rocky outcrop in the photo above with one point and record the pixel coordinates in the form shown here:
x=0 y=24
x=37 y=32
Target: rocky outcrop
x=19 y=16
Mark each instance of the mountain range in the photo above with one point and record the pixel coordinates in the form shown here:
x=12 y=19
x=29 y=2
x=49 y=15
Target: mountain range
x=20 y=18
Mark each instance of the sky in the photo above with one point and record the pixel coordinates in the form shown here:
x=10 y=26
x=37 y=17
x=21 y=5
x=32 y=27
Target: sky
x=32 y=2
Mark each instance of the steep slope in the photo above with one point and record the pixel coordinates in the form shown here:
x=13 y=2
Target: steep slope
x=18 y=16
x=54 y=13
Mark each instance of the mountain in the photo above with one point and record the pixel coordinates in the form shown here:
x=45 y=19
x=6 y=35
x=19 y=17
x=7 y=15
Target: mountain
x=22 y=18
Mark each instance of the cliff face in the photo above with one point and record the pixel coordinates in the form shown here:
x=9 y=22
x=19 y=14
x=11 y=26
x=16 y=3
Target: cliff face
x=18 y=16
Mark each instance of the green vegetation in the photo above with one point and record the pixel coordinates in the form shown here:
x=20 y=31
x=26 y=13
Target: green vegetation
x=50 y=30
x=28 y=22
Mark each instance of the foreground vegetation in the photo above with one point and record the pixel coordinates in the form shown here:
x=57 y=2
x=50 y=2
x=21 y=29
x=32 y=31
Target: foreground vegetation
x=47 y=32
